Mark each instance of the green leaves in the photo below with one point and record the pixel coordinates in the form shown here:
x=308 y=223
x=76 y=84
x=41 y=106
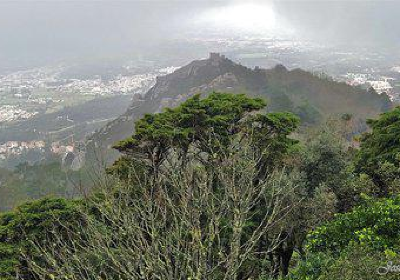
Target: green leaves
x=33 y=220
x=192 y=120
x=208 y=125
x=379 y=147
x=376 y=225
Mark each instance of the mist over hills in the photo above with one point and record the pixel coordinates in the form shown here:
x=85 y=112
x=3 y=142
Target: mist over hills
x=313 y=98
x=104 y=30
x=348 y=23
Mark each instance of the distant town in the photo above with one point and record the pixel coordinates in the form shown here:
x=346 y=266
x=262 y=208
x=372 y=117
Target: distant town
x=72 y=155
x=34 y=92
x=21 y=92
x=12 y=148
x=381 y=84
x=10 y=113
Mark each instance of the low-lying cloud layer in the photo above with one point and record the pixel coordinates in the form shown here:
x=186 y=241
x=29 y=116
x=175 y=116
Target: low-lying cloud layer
x=40 y=31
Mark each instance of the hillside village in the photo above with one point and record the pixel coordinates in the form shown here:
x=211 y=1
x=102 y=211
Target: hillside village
x=44 y=87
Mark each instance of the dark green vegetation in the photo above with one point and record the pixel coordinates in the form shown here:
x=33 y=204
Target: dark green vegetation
x=44 y=220
x=28 y=182
x=218 y=188
x=311 y=98
x=366 y=238
x=380 y=152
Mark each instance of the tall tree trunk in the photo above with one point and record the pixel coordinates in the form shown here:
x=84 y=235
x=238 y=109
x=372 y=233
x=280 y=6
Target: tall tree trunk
x=286 y=256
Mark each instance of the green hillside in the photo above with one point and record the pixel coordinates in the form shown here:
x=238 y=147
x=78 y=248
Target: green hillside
x=312 y=98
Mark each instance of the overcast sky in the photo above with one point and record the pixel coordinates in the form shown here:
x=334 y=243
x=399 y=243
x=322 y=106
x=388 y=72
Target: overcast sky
x=60 y=29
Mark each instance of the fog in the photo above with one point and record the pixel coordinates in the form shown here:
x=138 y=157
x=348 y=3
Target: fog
x=349 y=22
x=40 y=32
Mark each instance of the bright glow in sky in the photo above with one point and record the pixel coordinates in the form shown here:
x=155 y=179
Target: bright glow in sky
x=248 y=17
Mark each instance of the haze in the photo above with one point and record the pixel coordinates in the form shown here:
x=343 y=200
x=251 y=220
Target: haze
x=37 y=32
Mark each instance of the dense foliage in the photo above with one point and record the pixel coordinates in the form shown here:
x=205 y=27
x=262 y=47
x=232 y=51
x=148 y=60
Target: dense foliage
x=376 y=225
x=27 y=182
x=217 y=188
x=364 y=240
x=355 y=245
x=209 y=126
x=379 y=155
x=40 y=220
x=315 y=99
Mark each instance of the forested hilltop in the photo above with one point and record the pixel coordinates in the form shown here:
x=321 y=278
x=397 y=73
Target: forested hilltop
x=313 y=98
x=221 y=187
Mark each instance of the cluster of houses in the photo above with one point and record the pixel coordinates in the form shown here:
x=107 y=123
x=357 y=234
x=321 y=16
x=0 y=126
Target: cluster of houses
x=16 y=148
x=381 y=84
x=71 y=157
x=19 y=147
x=12 y=113
x=58 y=149
x=119 y=85
x=23 y=82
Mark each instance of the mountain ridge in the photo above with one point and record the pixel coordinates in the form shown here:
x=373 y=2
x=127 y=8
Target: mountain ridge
x=311 y=97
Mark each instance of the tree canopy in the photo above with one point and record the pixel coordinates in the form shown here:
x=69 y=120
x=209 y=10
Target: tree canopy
x=209 y=126
x=38 y=220
x=380 y=150
x=218 y=188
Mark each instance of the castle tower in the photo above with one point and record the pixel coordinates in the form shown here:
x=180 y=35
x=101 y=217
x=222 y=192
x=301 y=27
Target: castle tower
x=216 y=58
